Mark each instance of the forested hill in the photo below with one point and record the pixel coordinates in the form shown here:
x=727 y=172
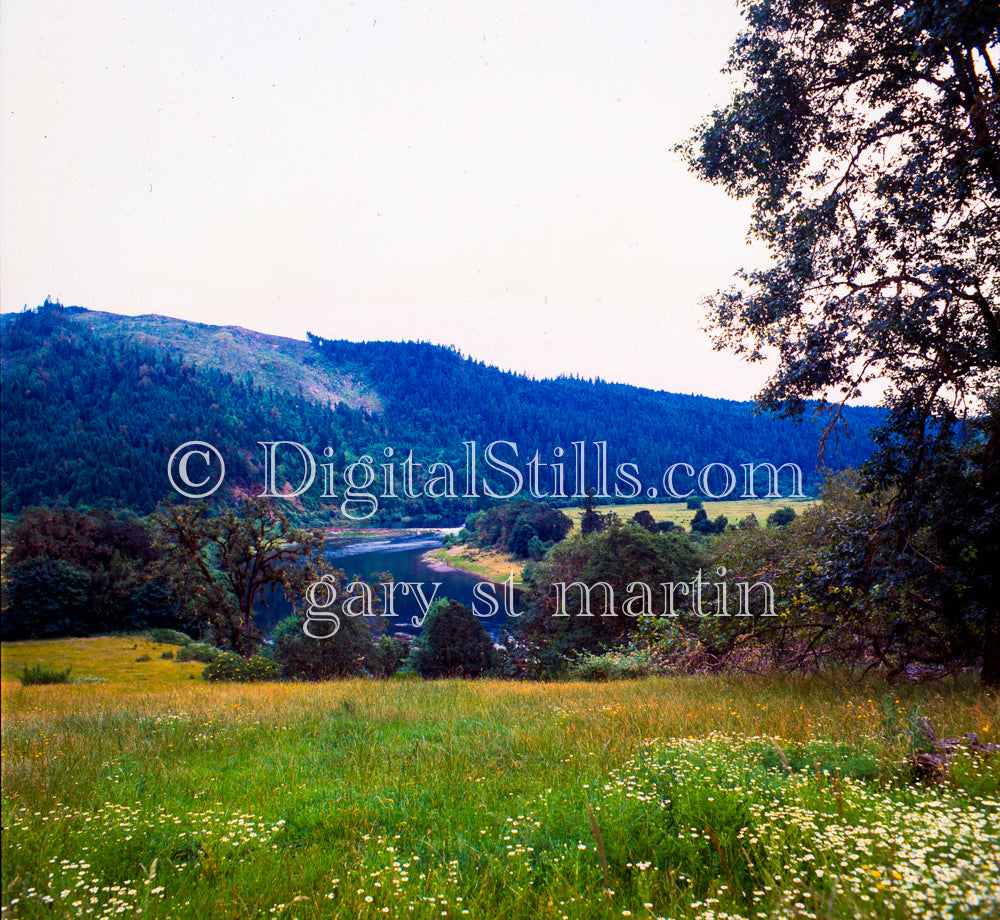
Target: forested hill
x=93 y=405
x=434 y=397
x=90 y=416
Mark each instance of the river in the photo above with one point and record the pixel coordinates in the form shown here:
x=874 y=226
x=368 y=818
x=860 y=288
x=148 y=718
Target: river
x=400 y=559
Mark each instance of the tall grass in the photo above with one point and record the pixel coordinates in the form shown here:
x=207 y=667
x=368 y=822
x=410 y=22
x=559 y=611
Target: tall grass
x=694 y=797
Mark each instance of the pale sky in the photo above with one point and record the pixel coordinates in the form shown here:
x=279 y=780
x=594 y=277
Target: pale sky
x=494 y=176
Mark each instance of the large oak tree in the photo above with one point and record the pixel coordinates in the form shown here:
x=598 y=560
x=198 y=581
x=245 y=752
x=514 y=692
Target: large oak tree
x=224 y=565
x=867 y=137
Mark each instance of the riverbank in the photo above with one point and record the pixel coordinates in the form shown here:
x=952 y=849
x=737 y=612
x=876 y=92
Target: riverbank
x=485 y=564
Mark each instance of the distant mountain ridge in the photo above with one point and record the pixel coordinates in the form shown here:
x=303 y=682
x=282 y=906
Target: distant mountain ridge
x=290 y=365
x=94 y=403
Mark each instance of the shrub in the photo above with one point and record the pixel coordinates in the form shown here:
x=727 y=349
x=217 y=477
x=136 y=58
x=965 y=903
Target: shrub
x=169 y=637
x=645 y=520
x=453 y=643
x=230 y=667
x=622 y=664
x=46 y=597
x=701 y=523
x=619 y=556
x=782 y=517
x=197 y=651
x=82 y=573
x=167 y=654
x=144 y=658
x=342 y=654
x=32 y=675
x=387 y=656
x=510 y=526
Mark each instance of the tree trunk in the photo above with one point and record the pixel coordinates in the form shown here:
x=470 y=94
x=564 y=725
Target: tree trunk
x=990 y=675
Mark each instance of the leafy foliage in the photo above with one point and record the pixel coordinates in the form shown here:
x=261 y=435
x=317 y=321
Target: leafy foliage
x=847 y=599
x=782 y=517
x=46 y=598
x=225 y=563
x=453 y=643
x=170 y=637
x=197 y=651
x=619 y=664
x=511 y=526
x=387 y=656
x=867 y=137
x=82 y=573
x=340 y=655
x=618 y=556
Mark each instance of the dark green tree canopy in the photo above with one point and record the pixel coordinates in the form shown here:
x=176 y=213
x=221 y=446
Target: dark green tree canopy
x=453 y=642
x=617 y=556
x=867 y=135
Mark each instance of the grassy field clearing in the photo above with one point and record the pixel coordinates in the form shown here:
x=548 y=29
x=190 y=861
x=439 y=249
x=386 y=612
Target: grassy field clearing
x=497 y=566
x=679 y=513
x=687 y=797
x=489 y=564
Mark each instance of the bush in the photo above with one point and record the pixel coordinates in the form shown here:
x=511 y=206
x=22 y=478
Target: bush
x=387 y=656
x=342 y=654
x=46 y=597
x=701 y=523
x=509 y=527
x=623 y=664
x=453 y=643
x=645 y=520
x=80 y=573
x=617 y=557
x=32 y=675
x=167 y=654
x=230 y=667
x=197 y=651
x=782 y=517
x=169 y=637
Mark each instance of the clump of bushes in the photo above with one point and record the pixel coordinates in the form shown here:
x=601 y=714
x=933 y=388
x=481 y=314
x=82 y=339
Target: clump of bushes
x=197 y=651
x=387 y=656
x=453 y=643
x=620 y=664
x=512 y=526
x=165 y=636
x=230 y=667
x=34 y=674
x=338 y=655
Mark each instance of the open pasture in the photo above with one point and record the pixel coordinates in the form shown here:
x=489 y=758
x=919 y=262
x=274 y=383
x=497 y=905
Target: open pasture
x=686 y=797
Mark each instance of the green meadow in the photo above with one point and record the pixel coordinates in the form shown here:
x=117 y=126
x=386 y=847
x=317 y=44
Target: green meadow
x=678 y=797
x=497 y=566
x=679 y=513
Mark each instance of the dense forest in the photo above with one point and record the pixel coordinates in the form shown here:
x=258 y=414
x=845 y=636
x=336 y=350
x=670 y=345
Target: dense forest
x=91 y=418
x=436 y=398
x=91 y=421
